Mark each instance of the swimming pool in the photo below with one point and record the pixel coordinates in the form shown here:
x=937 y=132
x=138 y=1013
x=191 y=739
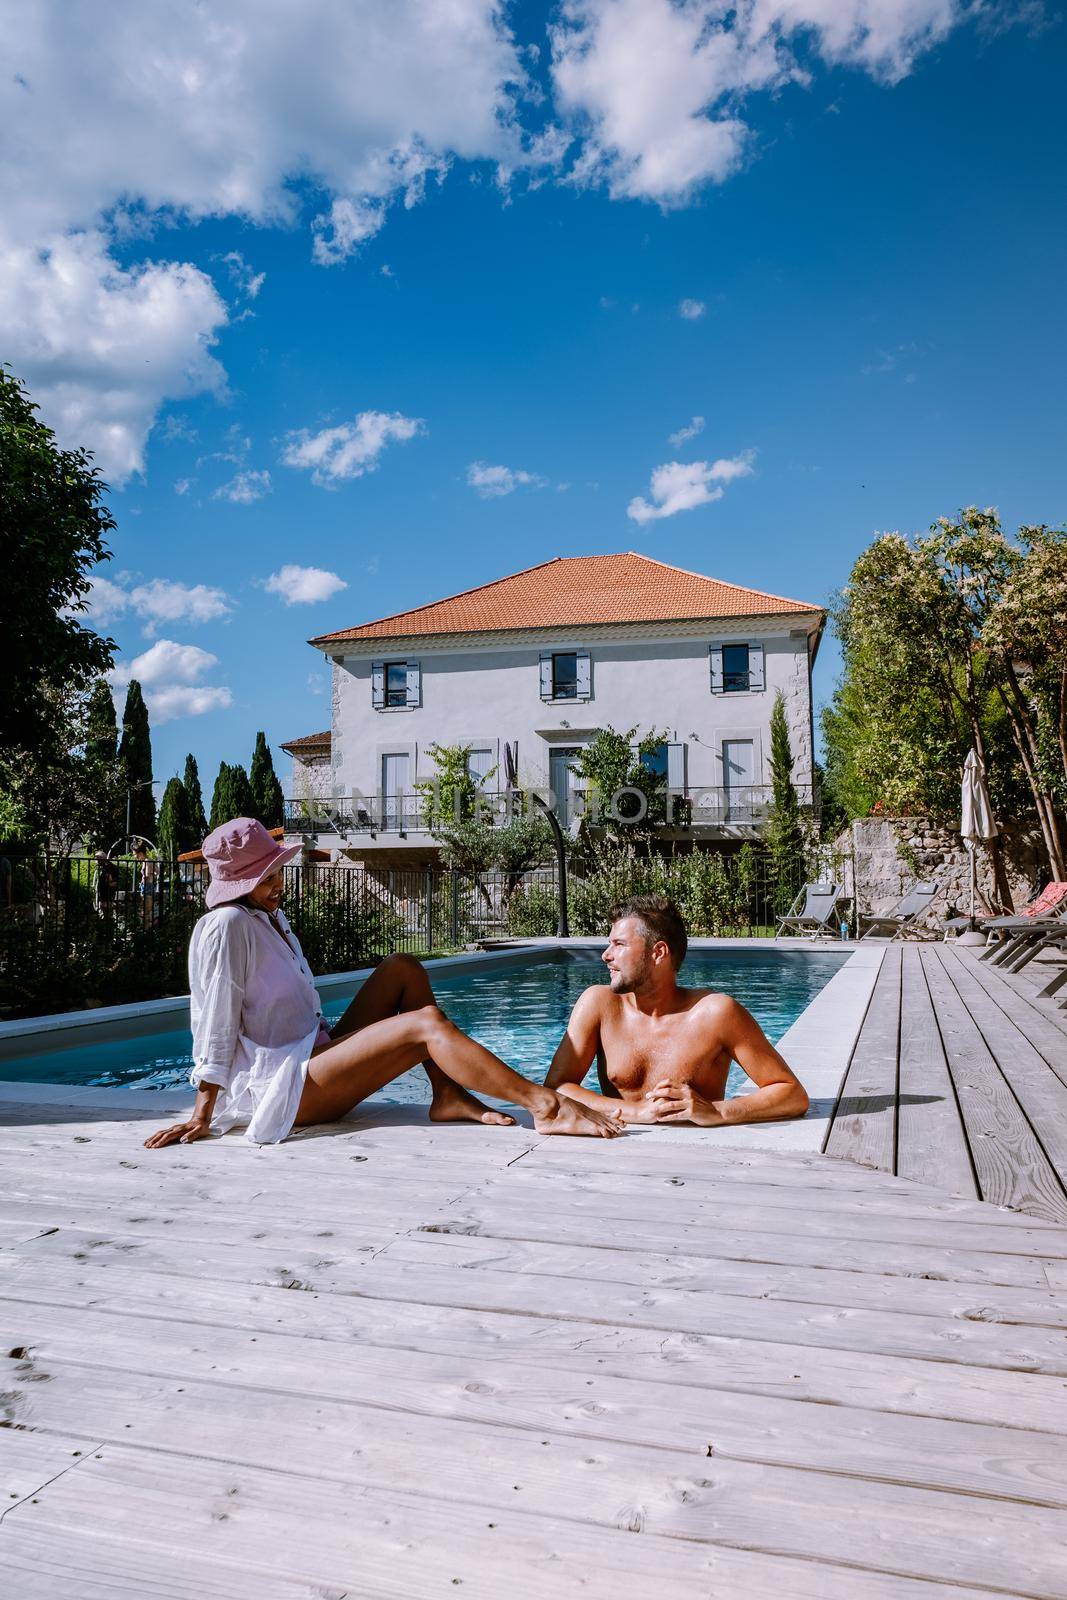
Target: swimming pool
x=519 y=1012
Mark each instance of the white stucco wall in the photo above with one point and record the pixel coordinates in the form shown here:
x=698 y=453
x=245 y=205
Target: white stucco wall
x=484 y=695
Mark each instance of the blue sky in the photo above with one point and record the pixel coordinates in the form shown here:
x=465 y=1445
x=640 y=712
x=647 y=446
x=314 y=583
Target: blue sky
x=876 y=335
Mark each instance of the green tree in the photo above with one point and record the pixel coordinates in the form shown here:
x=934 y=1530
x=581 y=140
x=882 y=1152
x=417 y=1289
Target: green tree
x=784 y=835
x=625 y=790
x=175 y=831
x=267 y=798
x=194 y=795
x=922 y=683
x=53 y=524
x=135 y=763
x=232 y=795
x=104 y=772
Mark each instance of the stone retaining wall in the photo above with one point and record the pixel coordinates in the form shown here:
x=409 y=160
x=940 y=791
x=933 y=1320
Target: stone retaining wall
x=882 y=857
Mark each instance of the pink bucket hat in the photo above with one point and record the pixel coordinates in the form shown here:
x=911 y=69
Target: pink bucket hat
x=240 y=854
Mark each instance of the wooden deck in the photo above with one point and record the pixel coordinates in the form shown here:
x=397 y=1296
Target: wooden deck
x=959 y=1079
x=390 y=1360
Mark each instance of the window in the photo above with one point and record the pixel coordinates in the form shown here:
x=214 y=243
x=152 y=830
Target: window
x=396 y=683
x=655 y=761
x=565 y=676
x=735 y=673
x=480 y=764
x=737 y=667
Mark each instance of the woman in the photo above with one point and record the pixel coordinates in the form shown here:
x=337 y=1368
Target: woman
x=261 y=1051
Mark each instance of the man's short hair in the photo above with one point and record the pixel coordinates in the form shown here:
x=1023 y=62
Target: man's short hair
x=660 y=919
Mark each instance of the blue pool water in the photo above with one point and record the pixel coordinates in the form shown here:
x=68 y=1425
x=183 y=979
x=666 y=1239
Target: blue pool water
x=518 y=1012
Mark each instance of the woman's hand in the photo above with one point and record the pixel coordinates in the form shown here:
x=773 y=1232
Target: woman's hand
x=180 y=1133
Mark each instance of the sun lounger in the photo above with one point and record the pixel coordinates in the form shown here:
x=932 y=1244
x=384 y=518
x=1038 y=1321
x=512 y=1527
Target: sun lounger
x=812 y=912
x=904 y=915
x=1012 y=937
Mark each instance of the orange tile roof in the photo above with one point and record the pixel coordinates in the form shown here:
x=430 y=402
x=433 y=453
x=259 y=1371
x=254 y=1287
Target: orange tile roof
x=571 y=591
x=309 y=741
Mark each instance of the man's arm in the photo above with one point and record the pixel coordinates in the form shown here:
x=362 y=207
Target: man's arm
x=779 y=1093
x=576 y=1053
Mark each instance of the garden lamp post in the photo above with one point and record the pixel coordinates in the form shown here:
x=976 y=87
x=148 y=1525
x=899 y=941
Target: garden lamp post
x=562 y=924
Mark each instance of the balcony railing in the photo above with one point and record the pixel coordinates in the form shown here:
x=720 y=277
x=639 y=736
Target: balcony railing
x=745 y=807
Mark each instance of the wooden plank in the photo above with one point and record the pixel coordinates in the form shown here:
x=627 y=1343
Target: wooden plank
x=1012 y=1168
x=76 y=1564
x=135 y=1389
x=386 y=1202
x=692 y=1199
x=30 y=1460
x=819 y=1286
x=412 y=1544
x=863 y=1129
x=485 y=1312
x=337 y=1266
x=696 y=1241
x=1037 y=1088
x=815 y=1516
x=931 y=1144
x=1044 y=1025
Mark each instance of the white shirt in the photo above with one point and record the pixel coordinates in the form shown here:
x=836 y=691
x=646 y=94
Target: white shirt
x=256 y=1018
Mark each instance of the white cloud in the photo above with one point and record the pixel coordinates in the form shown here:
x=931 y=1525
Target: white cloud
x=104 y=602
x=335 y=454
x=237 y=111
x=172 y=700
x=100 y=346
x=160 y=600
x=690 y=431
x=304 y=585
x=183 y=485
x=682 y=486
x=169 y=674
x=491 y=482
x=653 y=88
x=691 y=310
x=244 y=489
x=248 y=282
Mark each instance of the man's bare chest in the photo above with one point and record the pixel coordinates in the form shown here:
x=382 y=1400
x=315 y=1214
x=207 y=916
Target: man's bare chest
x=639 y=1053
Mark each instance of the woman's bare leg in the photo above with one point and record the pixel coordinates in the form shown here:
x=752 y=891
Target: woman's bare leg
x=401 y=983
x=341 y=1075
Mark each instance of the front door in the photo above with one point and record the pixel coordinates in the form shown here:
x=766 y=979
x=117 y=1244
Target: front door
x=394 y=789
x=739 y=769
x=563 y=783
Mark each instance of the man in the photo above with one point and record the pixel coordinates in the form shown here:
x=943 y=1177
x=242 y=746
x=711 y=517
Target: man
x=662 y=1050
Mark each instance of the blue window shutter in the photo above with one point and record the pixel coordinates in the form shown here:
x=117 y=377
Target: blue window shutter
x=414 y=684
x=676 y=767
x=585 y=690
x=546 y=676
x=377 y=680
x=755 y=667
x=715 y=652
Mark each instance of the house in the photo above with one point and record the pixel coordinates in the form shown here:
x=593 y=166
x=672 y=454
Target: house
x=526 y=669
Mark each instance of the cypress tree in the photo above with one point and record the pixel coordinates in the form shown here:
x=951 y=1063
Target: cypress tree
x=175 y=829
x=135 y=762
x=784 y=836
x=267 y=798
x=232 y=795
x=101 y=727
x=240 y=792
x=195 y=799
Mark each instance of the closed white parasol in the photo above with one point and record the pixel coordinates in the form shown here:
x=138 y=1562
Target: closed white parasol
x=976 y=814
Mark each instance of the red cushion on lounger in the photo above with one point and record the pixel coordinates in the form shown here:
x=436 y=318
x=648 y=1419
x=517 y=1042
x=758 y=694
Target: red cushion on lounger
x=1047 y=900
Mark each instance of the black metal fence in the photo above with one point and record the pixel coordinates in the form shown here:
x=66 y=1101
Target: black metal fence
x=75 y=931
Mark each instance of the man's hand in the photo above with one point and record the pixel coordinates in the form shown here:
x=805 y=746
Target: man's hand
x=671 y=1102
x=181 y=1132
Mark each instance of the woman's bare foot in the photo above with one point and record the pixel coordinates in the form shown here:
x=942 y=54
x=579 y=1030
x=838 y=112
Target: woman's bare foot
x=454 y=1104
x=570 y=1116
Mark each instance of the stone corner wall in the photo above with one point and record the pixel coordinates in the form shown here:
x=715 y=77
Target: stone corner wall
x=882 y=857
